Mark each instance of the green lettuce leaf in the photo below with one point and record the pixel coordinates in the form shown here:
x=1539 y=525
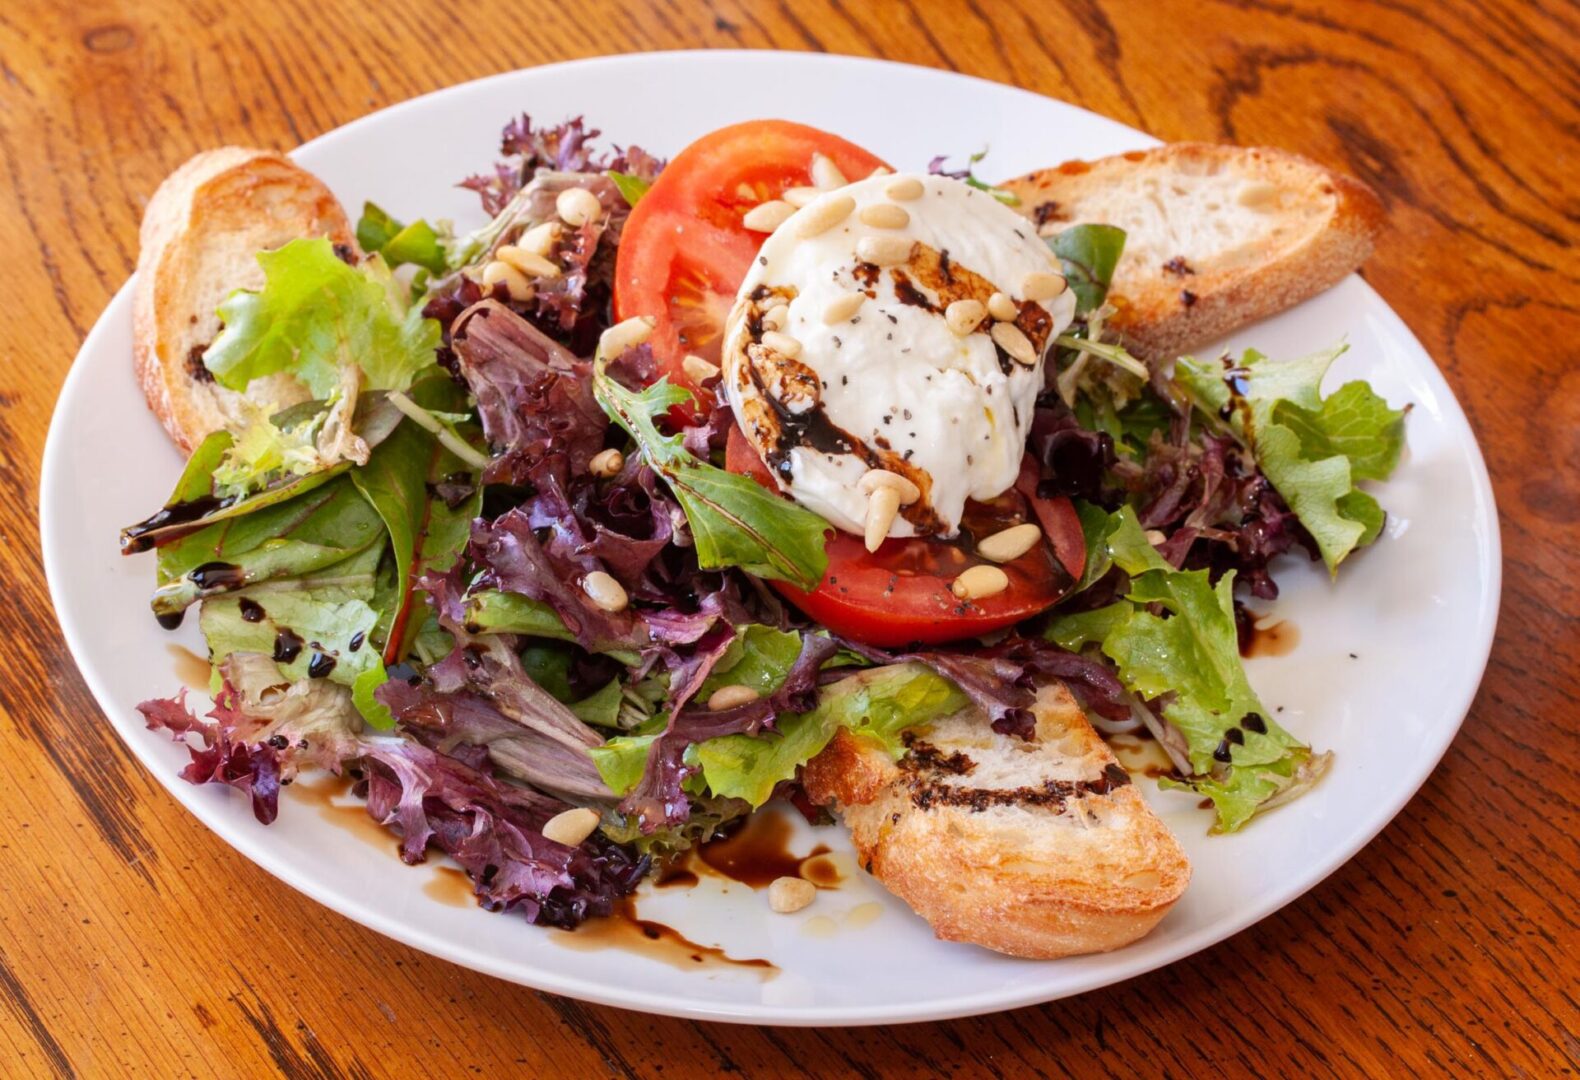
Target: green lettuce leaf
x=760 y=657
x=1187 y=655
x=418 y=243
x=315 y=314
x=314 y=530
x=631 y=188
x=1313 y=449
x=877 y=704
x=734 y=520
x=1089 y=254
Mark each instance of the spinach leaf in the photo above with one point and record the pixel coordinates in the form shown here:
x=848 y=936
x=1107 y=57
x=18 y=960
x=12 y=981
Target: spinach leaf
x=734 y=521
x=1089 y=254
x=417 y=243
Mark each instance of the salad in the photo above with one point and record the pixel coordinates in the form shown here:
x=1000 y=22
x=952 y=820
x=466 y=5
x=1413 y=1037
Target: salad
x=604 y=519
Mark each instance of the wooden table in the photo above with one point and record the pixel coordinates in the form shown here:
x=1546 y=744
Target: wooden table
x=131 y=940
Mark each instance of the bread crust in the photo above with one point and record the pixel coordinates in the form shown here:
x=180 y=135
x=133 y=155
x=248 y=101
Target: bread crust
x=1027 y=879
x=199 y=240
x=1316 y=226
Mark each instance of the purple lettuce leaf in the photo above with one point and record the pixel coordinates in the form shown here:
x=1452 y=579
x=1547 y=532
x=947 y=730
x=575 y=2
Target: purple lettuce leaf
x=534 y=398
x=566 y=147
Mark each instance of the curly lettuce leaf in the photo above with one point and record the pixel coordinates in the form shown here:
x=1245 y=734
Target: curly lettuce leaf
x=1313 y=449
x=734 y=520
x=315 y=314
x=1186 y=658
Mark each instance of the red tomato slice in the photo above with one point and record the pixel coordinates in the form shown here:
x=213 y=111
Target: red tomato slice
x=684 y=252
x=900 y=593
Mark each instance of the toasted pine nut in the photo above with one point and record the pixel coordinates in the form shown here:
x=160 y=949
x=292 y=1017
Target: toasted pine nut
x=571 y=827
x=1008 y=336
x=964 y=316
x=823 y=215
x=783 y=344
x=577 y=206
x=606 y=462
x=980 y=582
x=776 y=317
x=1042 y=286
x=528 y=263
x=1156 y=537
x=800 y=196
x=515 y=282
x=881 y=170
x=541 y=238
x=699 y=370
x=825 y=174
x=768 y=216
x=904 y=189
x=731 y=697
x=843 y=308
x=790 y=894
x=1002 y=308
x=1010 y=544
x=624 y=335
x=884 y=216
x=884 y=250
x=605 y=591
x=873 y=479
x=882 y=506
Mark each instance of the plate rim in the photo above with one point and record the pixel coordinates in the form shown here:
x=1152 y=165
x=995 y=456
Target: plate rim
x=554 y=981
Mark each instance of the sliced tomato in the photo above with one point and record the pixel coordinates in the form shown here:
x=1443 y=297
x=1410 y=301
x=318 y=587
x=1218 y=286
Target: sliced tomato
x=900 y=593
x=684 y=252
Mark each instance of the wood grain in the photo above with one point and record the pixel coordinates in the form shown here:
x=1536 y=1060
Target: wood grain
x=133 y=942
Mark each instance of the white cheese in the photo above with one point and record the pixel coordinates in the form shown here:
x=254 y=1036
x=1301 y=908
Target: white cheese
x=894 y=375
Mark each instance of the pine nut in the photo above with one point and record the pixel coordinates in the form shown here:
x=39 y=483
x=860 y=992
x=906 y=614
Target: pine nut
x=541 y=238
x=624 y=335
x=825 y=174
x=571 y=827
x=1010 y=544
x=731 y=697
x=515 y=282
x=1007 y=336
x=1156 y=537
x=783 y=344
x=823 y=215
x=699 y=370
x=800 y=196
x=605 y=592
x=884 y=216
x=776 y=317
x=790 y=894
x=768 y=216
x=884 y=250
x=980 y=582
x=843 y=308
x=528 y=263
x=577 y=206
x=881 y=170
x=1042 y=286
x=882 y=506
x=1002 y=308
x=904 y=189
x=873 y=479
x=964 y=316
x=606 y=463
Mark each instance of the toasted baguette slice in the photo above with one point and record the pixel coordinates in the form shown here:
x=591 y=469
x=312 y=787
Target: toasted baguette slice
x=200 y=238
x=1216 y=236
x=1037 y=848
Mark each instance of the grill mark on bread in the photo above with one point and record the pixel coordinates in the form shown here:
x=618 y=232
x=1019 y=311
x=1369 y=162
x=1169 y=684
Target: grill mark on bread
x=925 y=766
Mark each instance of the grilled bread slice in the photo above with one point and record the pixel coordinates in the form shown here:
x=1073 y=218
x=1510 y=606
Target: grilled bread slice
x=1037 y=848
x=200 y=238
x=1216 y=236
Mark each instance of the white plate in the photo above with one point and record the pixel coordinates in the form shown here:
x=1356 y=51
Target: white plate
x=1388 y=660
